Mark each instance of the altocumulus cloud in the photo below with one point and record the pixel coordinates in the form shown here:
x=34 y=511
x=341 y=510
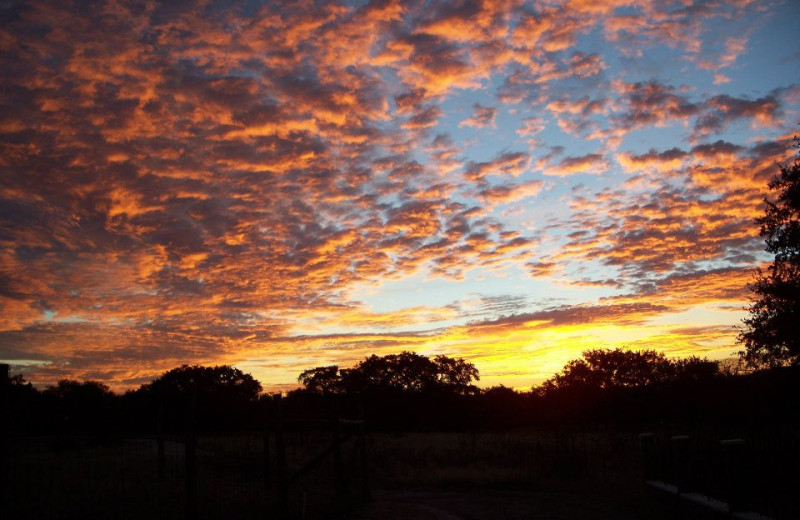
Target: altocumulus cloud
x=229 y=182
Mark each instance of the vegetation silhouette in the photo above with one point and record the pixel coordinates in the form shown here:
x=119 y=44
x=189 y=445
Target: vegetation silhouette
x=619 y=368
x=412 y=392
x=771 y=333
x=396 y=391
x=405 y=372
x=600 y=401
x=224 y=396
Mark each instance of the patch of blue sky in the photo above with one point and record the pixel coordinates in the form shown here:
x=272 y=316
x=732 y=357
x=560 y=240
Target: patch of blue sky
x=573 y=291
x=515 y=214
x=422 y=290
x=531 y=216
x=573 y=145
x=540 y=214
x=596 y=272
x=771 y=47
x=22 y=363
x=533 y=213
x=700 y=317
x=476 y=144
x=52 y=316
x=656 y=137
x=740 y=133
x=730 y=259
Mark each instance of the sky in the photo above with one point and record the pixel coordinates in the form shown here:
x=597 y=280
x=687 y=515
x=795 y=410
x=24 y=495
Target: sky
x=284 y=185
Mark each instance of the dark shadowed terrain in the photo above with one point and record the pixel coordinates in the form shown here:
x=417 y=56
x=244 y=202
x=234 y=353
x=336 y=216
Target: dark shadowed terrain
x=386 y=441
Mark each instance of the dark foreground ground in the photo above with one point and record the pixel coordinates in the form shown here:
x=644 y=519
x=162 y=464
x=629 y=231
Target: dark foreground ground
x=544 y=475
x=518 y=505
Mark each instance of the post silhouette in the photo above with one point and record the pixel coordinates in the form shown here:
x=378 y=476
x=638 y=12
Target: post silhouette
x=647 y=445
x=4 y=412
x=737 y=491
x=362 y=455
x=338 y=469
x=265 y=461
x=190 y=456
x=280 y=459
x=160 y=439
x=681 y=462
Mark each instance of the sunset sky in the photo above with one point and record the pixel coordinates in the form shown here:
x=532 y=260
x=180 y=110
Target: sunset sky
x=280 y=186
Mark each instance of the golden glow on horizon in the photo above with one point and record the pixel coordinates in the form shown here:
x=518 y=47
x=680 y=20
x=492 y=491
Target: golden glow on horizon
x=514 y=354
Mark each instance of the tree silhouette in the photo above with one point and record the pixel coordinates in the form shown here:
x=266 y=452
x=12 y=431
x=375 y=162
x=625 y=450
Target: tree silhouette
x=223 y=396
x=407 y=372
x=771 y=333
x=603 y=369
x=322 y=380
x=223 y=382
x=78 y=406
x=86 y=392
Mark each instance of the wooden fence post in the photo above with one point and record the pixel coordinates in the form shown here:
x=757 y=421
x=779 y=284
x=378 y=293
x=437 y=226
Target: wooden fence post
x=681 y=462
x=366 y=494
x=364 y=462
x=4 y=412
x=338 y=470
x=647 y=445
x=265 y=461
x=190 y=456
x=160 y=439
x=737 y=491
x=280 y=459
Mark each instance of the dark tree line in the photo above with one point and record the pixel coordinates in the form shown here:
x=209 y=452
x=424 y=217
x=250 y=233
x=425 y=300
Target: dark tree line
x=409 y=391
x=225 y=398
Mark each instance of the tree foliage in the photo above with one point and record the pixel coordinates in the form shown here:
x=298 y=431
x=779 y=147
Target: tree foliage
x=220 y=382
x=222 y=397
x=771 y=333
x=70 y=391
x=405 y=372
x=78 y=406
x=604 y=369
x=410 y=392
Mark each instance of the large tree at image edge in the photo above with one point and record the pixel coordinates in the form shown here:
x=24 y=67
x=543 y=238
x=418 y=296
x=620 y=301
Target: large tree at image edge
x=771 y=333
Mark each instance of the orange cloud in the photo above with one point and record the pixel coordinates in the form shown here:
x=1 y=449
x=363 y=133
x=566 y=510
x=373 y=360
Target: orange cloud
x=482 y=117
x=661 y=162
x=200 y=184
x=592 y=163
x=513 y=164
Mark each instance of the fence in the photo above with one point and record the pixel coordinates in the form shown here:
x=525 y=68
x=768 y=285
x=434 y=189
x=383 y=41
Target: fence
x=315 y=467
x=293 y=468
x=350 y=478
x=747 y=478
